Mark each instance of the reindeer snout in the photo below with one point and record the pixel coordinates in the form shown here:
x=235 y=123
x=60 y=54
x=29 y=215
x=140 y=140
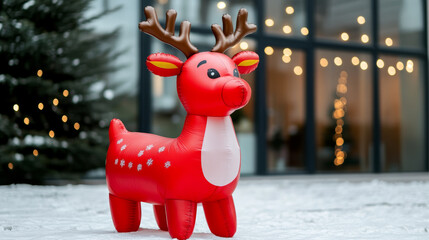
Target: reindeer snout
x=236 y=93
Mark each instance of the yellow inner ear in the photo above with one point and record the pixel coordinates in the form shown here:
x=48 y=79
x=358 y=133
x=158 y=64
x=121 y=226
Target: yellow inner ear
x=247 y=63
x=163 y=65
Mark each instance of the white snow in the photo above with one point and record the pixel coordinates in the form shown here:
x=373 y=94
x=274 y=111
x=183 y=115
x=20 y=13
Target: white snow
x=304 y=207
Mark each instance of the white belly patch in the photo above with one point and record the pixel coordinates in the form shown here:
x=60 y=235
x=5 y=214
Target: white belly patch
x=220 y=154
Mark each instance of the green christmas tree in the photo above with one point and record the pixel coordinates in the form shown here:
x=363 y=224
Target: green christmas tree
x=51 y=123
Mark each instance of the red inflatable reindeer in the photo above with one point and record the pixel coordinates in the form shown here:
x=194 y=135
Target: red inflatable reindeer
x=202 y=165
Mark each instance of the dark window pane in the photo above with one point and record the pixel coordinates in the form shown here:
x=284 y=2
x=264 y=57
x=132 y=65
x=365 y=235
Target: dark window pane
x=344 y=20
x=286 y=109
x=401 y=113
x=286 y=18
x=343 y=87
x=401 y=23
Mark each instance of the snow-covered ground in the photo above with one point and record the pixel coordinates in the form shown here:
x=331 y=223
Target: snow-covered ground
x=338 y=207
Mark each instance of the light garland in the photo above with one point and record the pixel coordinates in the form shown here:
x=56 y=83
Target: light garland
x=338 y=115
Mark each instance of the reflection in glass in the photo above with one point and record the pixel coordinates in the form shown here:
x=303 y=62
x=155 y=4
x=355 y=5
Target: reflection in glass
x=204 y=13
x=343 y=109
x=401 y=23
x=286 y=110
x=345 y=21
x=286 y=18
x=401 y=113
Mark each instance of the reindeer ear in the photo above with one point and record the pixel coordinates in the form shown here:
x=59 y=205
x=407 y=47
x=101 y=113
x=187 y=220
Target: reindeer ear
x=246 y=61
x=164 y=65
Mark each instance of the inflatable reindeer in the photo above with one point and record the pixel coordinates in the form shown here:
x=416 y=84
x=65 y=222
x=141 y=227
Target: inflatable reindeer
x=202 y=165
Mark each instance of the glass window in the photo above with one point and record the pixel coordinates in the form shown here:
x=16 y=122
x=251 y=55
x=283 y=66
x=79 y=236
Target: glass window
x=204 y=13
x=401 y=113
x=345 y=20
x=287 y=18
x=401 y=23
x=286 y=109
x=343 y=104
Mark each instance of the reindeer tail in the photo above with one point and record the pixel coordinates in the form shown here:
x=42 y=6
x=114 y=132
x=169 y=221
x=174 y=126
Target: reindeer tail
x=116 y=128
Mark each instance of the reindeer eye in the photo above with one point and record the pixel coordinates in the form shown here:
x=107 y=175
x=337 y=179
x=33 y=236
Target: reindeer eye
x=213 y=73
x=236 y=73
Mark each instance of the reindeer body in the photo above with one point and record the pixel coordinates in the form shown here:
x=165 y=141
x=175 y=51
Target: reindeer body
x=202 y=165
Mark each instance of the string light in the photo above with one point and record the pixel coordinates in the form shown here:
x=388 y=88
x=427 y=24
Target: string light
x=361 y=20
x=389 y=42
x=10 y=166
x=40 y=106
x=244 y=45
x=339 y=141
x=76 y=125
x=410 y=66
x=338 y=114
x=400 y=66
x=380 y=63
x=64 y=118
x=51 y=134
x=338 y=61
x=39 y=73
x=289 y=10
x=304 y=31
x=269 y=22
x=16 y=107
x=269 y=50
x=363 y=65
x=364 y=38
x=391 y=70
x=345 y=36
x=26 y=121
x=55 y=102
x=297 y=70
x=65 y=93
x=287 y=51
x=287 y=29
x=355 y=60
x=286 y=59
x=35 y=152
x=324 y=62
x=221 y=5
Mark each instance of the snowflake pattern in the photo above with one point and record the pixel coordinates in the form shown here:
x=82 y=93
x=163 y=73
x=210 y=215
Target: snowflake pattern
x=123 y=147
x=119 y=141
x=122 y=163
x=149 y=147
x=116 y=161
x=149 y=162
x=140 y=153
x=161 y=149
x=130 y=165
x=167 y=164
x=139 y=167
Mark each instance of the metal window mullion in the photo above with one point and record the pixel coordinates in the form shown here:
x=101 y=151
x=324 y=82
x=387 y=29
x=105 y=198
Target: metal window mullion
x=376 y=165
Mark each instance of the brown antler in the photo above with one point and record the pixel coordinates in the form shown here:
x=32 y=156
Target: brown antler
x=226 y=38
x=152 y=27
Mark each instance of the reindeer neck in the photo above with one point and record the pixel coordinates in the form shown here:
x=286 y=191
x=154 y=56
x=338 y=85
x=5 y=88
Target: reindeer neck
x=195 y=128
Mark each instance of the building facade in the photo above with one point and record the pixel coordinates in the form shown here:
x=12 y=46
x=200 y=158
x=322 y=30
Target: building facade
x=341 y=87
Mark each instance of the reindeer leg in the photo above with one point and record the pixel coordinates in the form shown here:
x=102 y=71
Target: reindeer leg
x=180 y=218
x=126 y=214
x=220 y=216
x=161 y=218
